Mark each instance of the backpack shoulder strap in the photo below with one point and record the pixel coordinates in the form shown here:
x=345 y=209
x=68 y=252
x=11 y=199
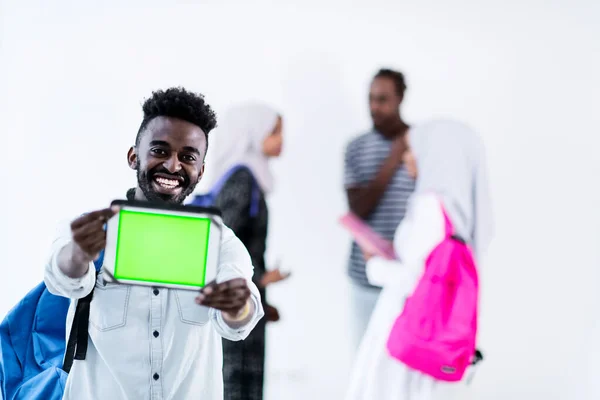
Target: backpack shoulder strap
x=78 y=336
x=255 y=199
x=448 y=227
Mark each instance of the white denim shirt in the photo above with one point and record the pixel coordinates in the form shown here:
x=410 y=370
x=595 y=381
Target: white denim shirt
x=146 y=343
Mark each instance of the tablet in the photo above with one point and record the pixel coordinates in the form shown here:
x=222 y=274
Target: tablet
x=173 y=246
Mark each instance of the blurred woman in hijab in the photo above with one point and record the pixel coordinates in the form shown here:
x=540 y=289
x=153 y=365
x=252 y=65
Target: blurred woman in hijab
x=249 y=135
x=450 y=167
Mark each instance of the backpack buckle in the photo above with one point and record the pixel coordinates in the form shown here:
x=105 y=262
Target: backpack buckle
x=477 y=358
x=458 y=238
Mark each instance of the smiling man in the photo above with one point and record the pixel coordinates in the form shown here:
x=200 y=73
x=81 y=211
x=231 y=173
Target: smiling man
x=155 y=343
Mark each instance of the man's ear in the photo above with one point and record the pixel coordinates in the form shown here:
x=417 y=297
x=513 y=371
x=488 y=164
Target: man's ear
x=401 y=96
x=201 y=172
x=132 y=158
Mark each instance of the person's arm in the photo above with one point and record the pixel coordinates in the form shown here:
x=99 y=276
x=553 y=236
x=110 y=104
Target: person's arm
x=363 y=198
x=70 y=270
x=60 y=284
x=243 y=317
x=419 y=232
x=233 y=283
x=381 y=272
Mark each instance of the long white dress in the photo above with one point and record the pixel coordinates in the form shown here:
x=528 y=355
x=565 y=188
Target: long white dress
x=376 y=375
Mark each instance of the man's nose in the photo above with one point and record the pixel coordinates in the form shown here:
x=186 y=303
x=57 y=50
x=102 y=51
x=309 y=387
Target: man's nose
x=173 y=164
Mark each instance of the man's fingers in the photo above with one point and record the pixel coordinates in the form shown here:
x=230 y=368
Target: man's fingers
x=97 y=247
x=90 y=237
x=214 y=287
x=220 y=302
x=227 y=306
x=232 y=284
x=208 y=288
x=224 y=300
x=92 y=228
x=93 y=246
x=102 y=215
x=226 y=296
x=90 y=240
x=223 y=304
x=240 y=293
x=88 y=230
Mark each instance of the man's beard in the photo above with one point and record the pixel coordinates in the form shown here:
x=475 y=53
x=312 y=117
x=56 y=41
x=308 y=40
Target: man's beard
x=388 y=126
x=145 y=184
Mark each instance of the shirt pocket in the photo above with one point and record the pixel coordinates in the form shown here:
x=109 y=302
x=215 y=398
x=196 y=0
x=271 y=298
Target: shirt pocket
x=189 y=311
x=108 y=308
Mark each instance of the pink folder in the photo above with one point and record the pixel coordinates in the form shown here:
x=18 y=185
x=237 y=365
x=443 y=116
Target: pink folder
x=366 y=238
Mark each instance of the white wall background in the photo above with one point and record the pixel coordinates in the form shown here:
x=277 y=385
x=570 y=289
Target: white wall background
x=525 y=74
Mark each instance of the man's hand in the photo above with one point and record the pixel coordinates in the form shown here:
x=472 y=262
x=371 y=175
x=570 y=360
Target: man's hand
x=89 y=239
x=367 y=255
x=364 y=199
x=89 y=236
x=230 y=297
x=399 y=147
x=410 y=163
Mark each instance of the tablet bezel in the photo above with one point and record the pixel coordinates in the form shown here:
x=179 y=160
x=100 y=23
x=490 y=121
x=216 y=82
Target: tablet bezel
x=214 y=241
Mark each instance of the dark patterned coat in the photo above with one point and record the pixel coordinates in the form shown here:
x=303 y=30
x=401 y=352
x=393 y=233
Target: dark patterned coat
x=243 y=361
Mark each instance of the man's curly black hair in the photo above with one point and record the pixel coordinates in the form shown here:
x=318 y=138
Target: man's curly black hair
x=396 y=76
x=178 y=103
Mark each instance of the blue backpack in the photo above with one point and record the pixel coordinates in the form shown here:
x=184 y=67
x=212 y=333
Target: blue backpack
x=209 y=199
x=32 y=344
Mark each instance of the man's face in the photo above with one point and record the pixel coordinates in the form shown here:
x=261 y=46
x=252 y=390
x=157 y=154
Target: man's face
x=169 y=159
x=384 y=102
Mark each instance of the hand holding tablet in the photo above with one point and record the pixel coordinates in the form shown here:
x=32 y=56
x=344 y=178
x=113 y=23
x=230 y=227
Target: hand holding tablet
x=89 y=237
x=230 y=296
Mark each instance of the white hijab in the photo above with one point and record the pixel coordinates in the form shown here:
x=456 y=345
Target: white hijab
x=238 y=139
x=451 y=162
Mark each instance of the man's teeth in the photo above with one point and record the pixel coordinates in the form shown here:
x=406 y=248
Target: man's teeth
x=168 y=183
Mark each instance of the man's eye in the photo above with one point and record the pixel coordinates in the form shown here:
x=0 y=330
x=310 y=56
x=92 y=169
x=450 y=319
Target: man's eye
x=189 y=158
x=159 y=152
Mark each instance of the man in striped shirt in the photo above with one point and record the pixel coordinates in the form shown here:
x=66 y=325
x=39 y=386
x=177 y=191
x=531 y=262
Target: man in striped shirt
x=377 y=183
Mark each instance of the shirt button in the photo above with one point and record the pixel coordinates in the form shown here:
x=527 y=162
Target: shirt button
x=156 y=377
x=155 y=333
x=156 y=292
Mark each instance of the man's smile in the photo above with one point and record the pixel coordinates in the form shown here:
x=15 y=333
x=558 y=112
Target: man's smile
x=167 y=184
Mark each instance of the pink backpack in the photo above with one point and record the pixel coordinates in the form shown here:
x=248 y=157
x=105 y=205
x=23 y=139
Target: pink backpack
x=435 y=334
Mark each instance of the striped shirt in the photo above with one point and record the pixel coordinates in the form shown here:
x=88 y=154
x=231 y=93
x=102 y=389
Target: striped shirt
x=363 y=159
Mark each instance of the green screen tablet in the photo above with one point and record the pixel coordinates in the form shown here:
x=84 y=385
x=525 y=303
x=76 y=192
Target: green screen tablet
x=172 y=247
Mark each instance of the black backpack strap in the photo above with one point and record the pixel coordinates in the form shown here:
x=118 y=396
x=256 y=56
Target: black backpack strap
x=78 y=337
x=458 y=239
x=477 y=357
